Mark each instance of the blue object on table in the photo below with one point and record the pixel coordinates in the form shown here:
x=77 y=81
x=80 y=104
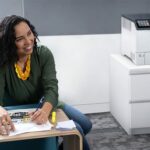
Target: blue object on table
x=38 y=144
x=40 y=104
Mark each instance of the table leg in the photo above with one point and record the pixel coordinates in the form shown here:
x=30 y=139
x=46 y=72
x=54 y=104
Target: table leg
x=72 y=142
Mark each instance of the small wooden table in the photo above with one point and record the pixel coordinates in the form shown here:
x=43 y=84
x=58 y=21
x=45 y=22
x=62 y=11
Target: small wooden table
x=72 y=138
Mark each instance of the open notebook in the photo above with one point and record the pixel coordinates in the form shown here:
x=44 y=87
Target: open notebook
x=26 y=126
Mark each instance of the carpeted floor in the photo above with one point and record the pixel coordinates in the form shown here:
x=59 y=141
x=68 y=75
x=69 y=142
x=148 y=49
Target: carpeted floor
x=107 y=134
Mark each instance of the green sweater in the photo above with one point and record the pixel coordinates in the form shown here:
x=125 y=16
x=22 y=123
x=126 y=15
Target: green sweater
x=41 y=82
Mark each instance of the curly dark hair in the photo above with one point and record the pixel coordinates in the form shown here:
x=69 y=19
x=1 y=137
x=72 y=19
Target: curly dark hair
x=8 y=50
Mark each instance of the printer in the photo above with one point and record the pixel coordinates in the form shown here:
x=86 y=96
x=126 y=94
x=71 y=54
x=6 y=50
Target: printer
x=135 y=38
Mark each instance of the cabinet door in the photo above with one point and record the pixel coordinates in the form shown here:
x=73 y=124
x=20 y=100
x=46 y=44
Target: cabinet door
x=140 y=88
x=140 y=115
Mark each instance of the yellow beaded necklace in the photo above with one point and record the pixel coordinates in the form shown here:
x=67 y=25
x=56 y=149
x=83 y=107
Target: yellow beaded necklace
x=23 y=75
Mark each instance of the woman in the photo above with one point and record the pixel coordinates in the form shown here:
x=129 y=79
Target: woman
x=27 y=72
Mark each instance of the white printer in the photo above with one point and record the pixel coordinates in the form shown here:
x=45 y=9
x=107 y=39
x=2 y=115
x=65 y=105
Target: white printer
x=135 y=38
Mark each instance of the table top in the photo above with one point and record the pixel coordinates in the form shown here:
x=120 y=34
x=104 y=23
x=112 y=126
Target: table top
x=61 y=116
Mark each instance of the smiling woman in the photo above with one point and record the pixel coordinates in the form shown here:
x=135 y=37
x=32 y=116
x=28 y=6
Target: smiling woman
x=27 y=71
x=24 y=39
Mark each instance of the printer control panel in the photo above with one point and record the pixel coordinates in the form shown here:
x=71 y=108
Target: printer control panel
x=144 y=23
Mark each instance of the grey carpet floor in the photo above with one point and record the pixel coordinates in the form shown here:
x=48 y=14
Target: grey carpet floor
x=107 y=134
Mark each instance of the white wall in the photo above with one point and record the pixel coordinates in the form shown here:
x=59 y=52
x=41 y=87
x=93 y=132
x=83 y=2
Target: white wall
x=82 y=63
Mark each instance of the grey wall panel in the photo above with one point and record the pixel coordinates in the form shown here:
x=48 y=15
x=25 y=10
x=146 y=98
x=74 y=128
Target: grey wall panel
x=57 y=17
x=10 y=7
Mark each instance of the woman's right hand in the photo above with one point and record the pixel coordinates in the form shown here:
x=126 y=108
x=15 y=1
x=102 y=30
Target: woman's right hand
x=6 y=125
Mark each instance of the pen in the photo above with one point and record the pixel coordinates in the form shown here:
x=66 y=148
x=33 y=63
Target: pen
x=41 y=101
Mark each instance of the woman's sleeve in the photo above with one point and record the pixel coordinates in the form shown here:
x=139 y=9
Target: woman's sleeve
x=2 y=84
x=49 y=80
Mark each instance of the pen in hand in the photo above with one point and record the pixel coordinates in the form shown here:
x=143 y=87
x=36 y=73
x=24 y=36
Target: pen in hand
x=41 y=101
x=36 y=116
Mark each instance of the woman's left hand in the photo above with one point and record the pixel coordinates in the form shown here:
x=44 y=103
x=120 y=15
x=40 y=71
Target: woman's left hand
x=41 y=115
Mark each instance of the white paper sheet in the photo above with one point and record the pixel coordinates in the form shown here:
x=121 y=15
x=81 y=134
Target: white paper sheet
x=64 y=125
x=30 y=127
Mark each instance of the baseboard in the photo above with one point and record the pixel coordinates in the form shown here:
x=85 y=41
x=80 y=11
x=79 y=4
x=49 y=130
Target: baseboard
x=93 y=108
x=144 y=130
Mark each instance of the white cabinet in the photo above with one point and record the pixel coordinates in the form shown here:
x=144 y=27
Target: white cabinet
x=130 y=94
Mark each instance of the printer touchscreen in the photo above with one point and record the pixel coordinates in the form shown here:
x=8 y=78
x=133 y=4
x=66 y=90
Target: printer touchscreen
x=143 y=23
